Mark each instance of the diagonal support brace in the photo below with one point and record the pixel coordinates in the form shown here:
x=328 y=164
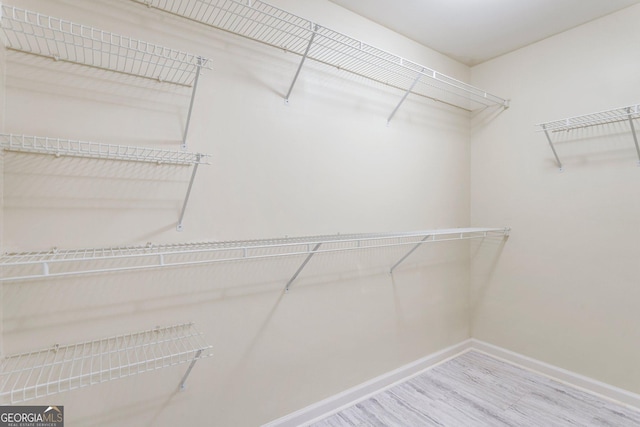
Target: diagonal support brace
x=191 y=365
x=312 y=252
x=193 y=97
x=304 y=57
x=424 y=239
x=180 y=227
x=633 y=131
x=546 y=132
x=395 y=110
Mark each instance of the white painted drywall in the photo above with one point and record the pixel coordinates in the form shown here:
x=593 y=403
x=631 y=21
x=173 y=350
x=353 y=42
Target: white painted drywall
x=327 y=163
x=565 y=289
x=2 y=115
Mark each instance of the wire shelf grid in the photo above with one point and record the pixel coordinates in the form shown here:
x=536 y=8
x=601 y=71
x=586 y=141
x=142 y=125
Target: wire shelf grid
x=616 y=115
x=594 y=119
x=33 y=265
x=58 y=369
x=65 y=147
x=259 y=21
x=47 y=36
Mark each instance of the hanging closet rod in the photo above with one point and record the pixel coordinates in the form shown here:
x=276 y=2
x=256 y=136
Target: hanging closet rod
x=66 y=147
x=261 y=22
x=59 y=368
x=55 y=263
x=39 y=34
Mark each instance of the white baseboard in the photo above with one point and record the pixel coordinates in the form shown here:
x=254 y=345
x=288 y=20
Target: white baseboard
x=573 y=379
x=349 y=397
x=340 y=401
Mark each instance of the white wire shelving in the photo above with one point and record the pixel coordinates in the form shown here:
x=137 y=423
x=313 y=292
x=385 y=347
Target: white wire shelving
x=616 y=115
x=58 y=263
x=259 y=21
x=61 y=40
x=62 y=368
x=65 y=147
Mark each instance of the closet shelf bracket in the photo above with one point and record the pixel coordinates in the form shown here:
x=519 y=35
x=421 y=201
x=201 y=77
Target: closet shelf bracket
x=314 y=30
x=412 y=250
x=553 y=149
x=201 y=62
x=312 y=252
x=633 y=131
x=180 y=226
x=616 y=115
x=413 y=85
x=196 y=357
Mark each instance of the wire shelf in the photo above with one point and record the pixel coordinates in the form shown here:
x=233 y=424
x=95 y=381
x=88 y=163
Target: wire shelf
x=259 y=21
x=616 y=115
x=58 y=369
x=34 y=265
x=62 y=40
x=601 y=118
x=65 y=147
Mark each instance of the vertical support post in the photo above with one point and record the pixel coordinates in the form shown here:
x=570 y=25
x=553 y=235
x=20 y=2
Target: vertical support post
x=311 y=254
x=409 y=253
x=186 y=197
x=193 y=97
x=186 y=374
x=395 y=110
x=633 y=131
x=304 y=57
x=546 y=132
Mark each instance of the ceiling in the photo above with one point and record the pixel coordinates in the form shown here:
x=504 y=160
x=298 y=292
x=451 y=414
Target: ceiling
x=474 y=31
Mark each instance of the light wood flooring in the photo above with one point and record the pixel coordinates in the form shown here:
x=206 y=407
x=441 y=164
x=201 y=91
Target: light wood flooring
x=474 y=389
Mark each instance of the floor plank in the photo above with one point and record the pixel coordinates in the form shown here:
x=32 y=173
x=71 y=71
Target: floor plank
x=475 y=389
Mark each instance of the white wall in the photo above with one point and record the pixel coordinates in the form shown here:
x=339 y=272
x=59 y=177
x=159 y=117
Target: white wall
x=2 y=115
x=324 y=164
x=565 y=288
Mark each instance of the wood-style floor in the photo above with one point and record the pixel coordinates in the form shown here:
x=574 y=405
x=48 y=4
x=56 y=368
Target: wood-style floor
x=474 y=389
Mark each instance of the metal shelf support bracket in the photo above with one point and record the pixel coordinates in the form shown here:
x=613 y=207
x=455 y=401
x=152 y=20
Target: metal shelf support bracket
x=304 y=57
x=412 y=250
x=546 y=132
x=180 y=227
x=633 y=131
x=193 y=96
x=413 y=85
x=312 y=252
x=183 y=385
